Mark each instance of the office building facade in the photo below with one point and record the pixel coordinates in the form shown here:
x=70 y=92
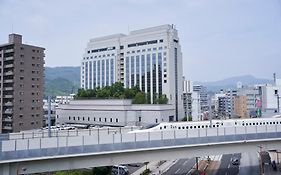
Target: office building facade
x=148 y=58
x=21 y=85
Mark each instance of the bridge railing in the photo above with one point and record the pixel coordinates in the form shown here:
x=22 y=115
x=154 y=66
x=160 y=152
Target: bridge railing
x=99 y=142
x=66 y=133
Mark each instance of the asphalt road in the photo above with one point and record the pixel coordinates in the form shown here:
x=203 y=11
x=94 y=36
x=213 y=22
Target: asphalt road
x=181 y=167
x=249 y=164
x=226 y=167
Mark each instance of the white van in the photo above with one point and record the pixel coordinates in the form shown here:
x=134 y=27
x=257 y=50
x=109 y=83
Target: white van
x=120 y=170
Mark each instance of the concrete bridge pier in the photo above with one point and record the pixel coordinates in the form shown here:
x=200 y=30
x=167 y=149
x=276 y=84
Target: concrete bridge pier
x=8 y=169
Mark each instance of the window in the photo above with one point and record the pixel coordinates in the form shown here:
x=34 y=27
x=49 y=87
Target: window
x=116 y=120
x=100 y=119
x=156 y=120
x=20 y=115
x=73 y=118
x=78 y=118
x=21 y=78
x=21 y=63
x=83 y=118
x=104 y=119
x=88 y=118
x=165 y=81
x=21 y=70
x=110 y=119
x=69 y=118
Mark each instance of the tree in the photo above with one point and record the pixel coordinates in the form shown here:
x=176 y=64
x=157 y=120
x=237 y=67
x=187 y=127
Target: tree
x=139 y=98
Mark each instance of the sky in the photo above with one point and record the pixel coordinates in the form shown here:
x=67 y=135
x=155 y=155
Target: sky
x=219 y=38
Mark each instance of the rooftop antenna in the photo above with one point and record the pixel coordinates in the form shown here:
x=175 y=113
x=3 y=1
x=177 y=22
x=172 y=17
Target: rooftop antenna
x=128 y=29
x=274 y=78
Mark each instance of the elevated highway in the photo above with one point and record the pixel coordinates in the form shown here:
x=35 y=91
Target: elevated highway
x=33 y=155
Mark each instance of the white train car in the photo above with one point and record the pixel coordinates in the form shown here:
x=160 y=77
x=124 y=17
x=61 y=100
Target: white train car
x=211 y=124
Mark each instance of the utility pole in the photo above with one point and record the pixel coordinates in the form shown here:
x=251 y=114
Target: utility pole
x=49 y=116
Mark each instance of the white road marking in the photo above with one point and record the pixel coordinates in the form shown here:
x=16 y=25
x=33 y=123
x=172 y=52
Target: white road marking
x=177 y=171
x=185 y=162
x=228 y=166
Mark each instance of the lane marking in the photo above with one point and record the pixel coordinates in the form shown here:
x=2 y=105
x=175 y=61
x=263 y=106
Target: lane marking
x=177 y=171
x=228 y=166
x=185 y=162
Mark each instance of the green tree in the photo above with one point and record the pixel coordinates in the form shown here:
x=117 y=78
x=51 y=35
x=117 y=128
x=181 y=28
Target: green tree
x=102 y=170
x=139 y=98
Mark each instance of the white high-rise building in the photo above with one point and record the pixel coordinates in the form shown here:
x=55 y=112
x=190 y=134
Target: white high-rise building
x=148 y=58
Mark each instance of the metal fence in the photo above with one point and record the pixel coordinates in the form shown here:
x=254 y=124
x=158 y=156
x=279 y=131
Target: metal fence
x=100 y=142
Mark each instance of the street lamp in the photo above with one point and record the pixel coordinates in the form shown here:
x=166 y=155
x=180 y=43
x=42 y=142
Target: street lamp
x=278 y=104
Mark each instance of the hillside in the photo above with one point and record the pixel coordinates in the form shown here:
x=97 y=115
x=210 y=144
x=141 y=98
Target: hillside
x=61 y=80
x=232 y=82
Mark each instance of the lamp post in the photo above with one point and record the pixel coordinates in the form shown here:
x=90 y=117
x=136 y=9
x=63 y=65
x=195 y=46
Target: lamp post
x=278 y=104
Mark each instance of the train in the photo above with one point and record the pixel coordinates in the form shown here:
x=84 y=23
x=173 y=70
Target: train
x=165 y=126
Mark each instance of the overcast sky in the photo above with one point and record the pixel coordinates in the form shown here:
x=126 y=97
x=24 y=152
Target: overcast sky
x=219 y=38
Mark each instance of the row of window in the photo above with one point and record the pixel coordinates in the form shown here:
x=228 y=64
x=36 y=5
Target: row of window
x=149 y=49
x=32 y=123
x=98 y=56
x=94 y=119
x=209 y=126
x=145 y=43
x=101 y=50
x=32 y=108
x=32 y=115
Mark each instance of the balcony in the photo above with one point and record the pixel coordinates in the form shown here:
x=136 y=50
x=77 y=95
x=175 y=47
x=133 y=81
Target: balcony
x=8 y=111
x=7 y=127
x=8 y=104
x=8 y=119
x=8 y=96
x=8 y=81
x=8 y=73
x=9 y=50
x=8 y=58
x=9 y=66
x=8 y=88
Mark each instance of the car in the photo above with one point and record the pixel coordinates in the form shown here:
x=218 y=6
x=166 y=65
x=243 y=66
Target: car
x=120 y=170
x=235 y=161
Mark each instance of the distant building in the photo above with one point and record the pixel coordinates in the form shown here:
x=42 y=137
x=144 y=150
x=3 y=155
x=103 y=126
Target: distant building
x=53 y=112
x=203 y=96
x=222 y=106
x=271 y=98
x=240 y=106
x=252 y=95
x=22 y=85
x=113 y=112
x=64 y=99
x=149 y=58
x=230 y=96
x=191 y=101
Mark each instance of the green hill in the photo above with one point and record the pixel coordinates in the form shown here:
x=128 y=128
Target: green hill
x=61 y=80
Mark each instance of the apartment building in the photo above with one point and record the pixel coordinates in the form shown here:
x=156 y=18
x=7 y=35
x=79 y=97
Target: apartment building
x=21 y=85
x=240 y=106
x=149 y=58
